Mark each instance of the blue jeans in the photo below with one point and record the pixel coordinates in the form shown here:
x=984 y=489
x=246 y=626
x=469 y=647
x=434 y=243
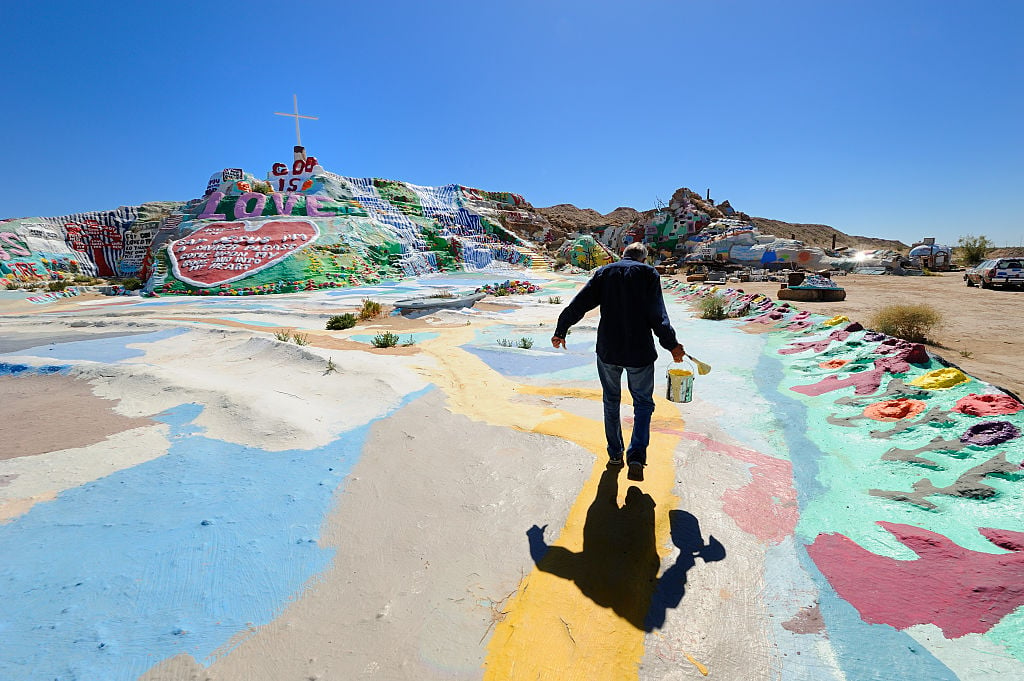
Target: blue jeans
x=640 y=381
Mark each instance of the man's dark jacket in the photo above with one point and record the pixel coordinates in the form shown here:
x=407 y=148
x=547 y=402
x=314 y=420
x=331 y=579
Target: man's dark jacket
x=629 y=293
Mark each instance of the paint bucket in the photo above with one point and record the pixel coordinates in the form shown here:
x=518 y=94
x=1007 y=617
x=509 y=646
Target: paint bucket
x=680 y=385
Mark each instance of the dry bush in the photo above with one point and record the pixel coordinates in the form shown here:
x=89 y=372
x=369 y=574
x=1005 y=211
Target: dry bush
x=909 y=322
x=371 y=309
x=712 y=307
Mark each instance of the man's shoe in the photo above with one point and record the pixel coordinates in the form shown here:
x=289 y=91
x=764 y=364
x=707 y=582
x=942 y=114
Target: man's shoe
x=636 y=472
x=615 y=460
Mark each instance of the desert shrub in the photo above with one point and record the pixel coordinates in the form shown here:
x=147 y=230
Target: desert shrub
x=555 y=300
x=283 y=335
x=341 y=321
x=506 y=343
x=712 y=307
x=57 y=285
x=385 y=340
x=973 y=249
x=132 y=284
x=909 y=322
x=300 y=339
x=525 y=343
x=370 y=310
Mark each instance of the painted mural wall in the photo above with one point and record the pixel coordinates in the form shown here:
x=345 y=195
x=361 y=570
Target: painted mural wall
x=301 y=228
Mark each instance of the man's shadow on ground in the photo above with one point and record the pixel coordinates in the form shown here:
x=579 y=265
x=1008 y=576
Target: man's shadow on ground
x=618 y=566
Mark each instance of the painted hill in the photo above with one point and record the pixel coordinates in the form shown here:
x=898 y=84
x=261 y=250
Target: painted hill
x=301 y=228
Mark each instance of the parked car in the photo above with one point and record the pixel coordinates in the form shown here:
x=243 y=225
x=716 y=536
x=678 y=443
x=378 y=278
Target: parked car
x=1002 y=271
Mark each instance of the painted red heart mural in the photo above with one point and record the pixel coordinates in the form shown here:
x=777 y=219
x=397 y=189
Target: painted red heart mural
x=223 y=252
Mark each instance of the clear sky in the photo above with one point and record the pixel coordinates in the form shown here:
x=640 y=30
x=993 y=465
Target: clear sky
x=890 y=118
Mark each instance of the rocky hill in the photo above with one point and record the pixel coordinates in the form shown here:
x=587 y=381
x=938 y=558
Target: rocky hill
x=821 y=235
x=569 y=218
x=1005 y=252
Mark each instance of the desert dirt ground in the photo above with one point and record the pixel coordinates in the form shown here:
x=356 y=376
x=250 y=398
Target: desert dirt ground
x=982 y=331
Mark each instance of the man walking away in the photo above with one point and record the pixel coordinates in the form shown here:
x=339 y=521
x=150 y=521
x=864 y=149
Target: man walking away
x=629 y=293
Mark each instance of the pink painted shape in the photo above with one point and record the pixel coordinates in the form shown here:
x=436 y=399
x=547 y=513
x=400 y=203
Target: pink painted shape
x=987 y=405
x=959 y=590
x=766 y=507
x=817 y=346
x=864 y=383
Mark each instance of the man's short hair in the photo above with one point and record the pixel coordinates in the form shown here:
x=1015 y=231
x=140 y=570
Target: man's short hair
x=635 y=251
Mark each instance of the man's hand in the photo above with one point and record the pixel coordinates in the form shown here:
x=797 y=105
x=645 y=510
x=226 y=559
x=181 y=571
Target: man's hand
x=557 y=342
x=678 y=353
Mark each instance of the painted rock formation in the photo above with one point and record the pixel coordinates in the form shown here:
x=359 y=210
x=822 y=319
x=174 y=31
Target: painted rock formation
x=302 y=228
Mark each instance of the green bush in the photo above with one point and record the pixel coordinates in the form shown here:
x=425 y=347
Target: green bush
x=713 y=307
x=555 y=300
x=341 y=321
x=973 y=248
x=283 y=335
x=300 y=339
x=909 y=322
x=385 y=340
x=525 y=343
x=132 y=284
x=57 y=285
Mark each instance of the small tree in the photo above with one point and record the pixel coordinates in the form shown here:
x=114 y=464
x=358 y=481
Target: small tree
x=974 y=248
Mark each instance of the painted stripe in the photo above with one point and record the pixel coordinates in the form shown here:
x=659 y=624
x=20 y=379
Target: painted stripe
x=551 y=629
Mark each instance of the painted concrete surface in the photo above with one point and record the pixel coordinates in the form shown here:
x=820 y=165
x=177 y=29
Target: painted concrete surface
x=831 y=505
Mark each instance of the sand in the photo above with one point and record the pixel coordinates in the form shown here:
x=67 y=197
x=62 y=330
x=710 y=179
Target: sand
x=86 y=419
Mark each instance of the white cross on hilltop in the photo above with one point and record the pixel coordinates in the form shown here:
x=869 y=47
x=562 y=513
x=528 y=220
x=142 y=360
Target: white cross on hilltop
x=296 y=116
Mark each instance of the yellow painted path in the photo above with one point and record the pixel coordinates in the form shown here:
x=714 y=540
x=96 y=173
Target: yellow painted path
x=551 y=629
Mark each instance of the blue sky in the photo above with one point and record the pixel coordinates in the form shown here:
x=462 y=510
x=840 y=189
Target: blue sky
x=898 y=119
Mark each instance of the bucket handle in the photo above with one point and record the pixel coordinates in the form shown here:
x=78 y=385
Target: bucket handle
x=694 y=369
